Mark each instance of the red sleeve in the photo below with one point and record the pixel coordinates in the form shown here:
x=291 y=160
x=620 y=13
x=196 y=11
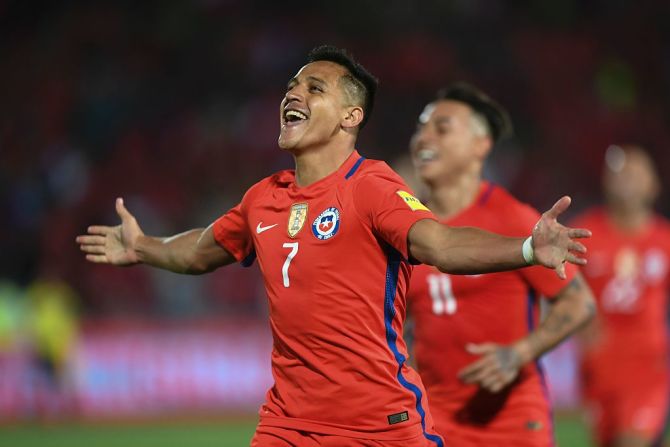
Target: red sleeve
x=543 y=280
x=387 y=204
x=232 y=233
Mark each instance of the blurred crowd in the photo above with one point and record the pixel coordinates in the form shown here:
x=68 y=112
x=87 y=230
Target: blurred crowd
x=174 y=106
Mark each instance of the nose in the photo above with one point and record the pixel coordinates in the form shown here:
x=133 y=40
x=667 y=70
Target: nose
x=421 y=137
x=295 y=94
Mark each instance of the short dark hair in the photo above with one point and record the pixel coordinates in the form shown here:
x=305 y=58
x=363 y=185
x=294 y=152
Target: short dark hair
x=359 y=82
x=497 y=118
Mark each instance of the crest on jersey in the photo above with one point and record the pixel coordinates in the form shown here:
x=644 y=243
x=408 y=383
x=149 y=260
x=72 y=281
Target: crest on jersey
x=297 y=218
x=411 y=201
x=655 y=265
x=327 y=224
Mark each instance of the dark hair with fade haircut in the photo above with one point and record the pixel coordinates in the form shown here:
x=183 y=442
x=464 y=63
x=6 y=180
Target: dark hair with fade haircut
x=498 y=120
x=359 y=82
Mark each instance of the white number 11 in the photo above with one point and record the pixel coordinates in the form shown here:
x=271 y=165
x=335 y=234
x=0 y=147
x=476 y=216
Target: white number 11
x=284 y=270
x=444 y=301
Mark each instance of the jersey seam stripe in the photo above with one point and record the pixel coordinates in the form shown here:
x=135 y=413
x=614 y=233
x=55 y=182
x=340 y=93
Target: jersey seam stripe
x=393 y=266
x=249 y=260
x=532 y=298
x=354 y=168
x=660 y=436
x=487 y=194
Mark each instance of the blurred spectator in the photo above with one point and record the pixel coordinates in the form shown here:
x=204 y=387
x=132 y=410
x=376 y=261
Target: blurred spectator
x=11 y=316
x=52 y=327
x=625 y=375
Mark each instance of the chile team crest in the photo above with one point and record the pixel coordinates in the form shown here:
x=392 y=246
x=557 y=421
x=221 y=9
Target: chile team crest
x=327 y=224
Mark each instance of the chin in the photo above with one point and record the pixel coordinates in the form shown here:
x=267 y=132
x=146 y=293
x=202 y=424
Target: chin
x=286 y=143
x=291 y=146
x=290 y=140
x=426 y=174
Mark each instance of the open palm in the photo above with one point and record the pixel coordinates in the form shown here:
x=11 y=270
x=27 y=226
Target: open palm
x=112 y=245
x=555 y=244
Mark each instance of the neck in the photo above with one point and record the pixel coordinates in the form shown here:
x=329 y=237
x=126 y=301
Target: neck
x=314 y=164
x=449 y=197
x=629 y=219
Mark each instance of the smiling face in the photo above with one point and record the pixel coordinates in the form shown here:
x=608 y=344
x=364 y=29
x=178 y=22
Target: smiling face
x=449 y=141
x=630 y=180
x=315 y=108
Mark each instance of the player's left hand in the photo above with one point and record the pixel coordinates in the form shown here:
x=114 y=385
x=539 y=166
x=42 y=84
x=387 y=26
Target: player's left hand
x=555 y=244
x=497 y=367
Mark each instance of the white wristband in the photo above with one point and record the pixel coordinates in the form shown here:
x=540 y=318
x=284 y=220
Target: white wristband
x=527 y=251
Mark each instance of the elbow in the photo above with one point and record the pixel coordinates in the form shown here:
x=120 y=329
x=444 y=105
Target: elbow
x=588 y=307
x=441 y=261
x=434 y=257
x=195 y=265
x=591 y=311
x=582 y=299
x=195 y=270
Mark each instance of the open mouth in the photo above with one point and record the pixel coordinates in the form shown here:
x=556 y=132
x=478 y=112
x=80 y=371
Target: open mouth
x=425 y=155
x=294 y=117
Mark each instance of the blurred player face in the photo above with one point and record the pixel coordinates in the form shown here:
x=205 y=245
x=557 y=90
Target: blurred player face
x=314 y=108
x=630 y=180
x=448 y=142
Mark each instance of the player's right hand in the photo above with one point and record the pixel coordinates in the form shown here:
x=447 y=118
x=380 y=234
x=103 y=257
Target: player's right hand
x=112 y=245
x=497 y=366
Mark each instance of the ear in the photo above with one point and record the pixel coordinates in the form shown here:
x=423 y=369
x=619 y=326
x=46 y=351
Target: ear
x=656 y=187
x=352 y=117
x=483 y=145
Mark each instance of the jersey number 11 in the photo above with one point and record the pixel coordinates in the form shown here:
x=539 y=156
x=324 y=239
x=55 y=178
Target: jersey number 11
x=444 y=301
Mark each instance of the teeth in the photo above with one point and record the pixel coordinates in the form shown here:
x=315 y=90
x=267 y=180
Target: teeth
x=426 y=155
x=296 y=114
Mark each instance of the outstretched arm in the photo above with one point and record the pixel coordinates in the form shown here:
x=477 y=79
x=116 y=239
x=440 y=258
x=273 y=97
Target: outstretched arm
x=192 y=252
x=499 y=365
x=467 y=250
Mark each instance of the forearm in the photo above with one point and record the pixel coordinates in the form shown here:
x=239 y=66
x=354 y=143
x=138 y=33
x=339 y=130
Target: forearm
x=467 y=250
x=573 y=308
x=176 y=253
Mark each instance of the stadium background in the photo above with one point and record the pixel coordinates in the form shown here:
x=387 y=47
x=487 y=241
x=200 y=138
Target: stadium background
x=173 y=105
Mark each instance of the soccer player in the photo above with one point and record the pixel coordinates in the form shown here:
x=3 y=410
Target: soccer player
x=477 y=339
x=624 y=352
x=334 y=239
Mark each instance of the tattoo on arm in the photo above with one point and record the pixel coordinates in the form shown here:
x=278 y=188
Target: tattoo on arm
x=508 y=359
x=576 y=284
x=557 y=321
x=564 y=318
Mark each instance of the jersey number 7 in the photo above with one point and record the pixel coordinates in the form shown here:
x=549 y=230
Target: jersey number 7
x=284 y=270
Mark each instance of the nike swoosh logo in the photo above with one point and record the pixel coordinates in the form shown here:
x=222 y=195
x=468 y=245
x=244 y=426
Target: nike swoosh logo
x=260 y=228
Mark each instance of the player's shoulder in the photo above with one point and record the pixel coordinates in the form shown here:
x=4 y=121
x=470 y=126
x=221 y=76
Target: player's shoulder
x=377 y=171
x=509 y=208
x=278 y=180
x=662 y=225
x=500 y=196
x=590 y=217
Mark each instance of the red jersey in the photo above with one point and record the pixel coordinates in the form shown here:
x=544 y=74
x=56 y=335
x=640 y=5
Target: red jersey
x=451 y=311
x=334 y=259
x=630 y=277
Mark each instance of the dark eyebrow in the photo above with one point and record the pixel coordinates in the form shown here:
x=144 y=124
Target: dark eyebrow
x=443 y=120
x=315 y=79
x=294 y=81
x=440 y=120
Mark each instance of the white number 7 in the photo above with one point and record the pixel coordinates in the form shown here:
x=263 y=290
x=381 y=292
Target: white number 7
x=284 y=270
